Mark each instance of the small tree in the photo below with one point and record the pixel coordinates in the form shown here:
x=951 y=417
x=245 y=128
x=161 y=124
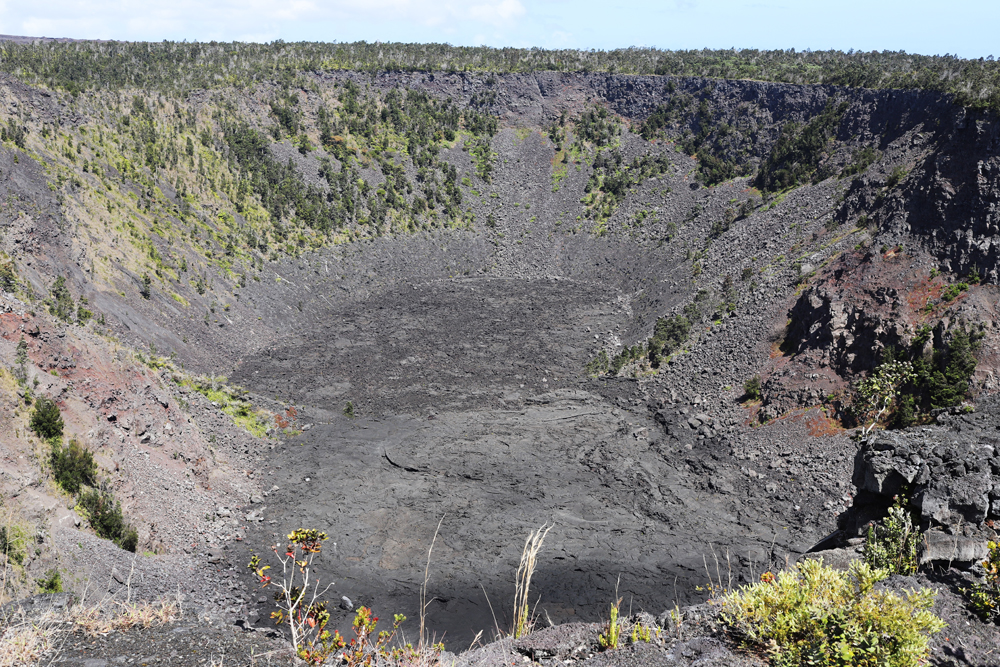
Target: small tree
x=298 y=606
x=147 y=285
x=46 y=421
x=751 y=388
x=73 y=466
x=21 y=362
x=60 y=301
x=8 y=277
x=875 y=394
x=891 y=544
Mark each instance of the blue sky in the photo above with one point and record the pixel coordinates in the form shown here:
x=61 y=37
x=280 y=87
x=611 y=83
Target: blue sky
x=964 y=27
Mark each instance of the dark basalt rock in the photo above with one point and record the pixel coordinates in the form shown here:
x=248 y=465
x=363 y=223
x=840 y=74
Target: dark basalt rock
x=949 y=474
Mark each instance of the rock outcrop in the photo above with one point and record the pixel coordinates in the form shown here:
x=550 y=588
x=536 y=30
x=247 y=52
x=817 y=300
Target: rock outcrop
x=949 y=476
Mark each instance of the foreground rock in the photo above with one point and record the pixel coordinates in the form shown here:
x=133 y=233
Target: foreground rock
x=947 y=473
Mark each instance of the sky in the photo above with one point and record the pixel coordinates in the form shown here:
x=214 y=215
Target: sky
x=967 y=28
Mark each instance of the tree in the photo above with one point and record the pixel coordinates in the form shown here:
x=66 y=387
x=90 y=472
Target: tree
x=21 y=362
x=46 y=420
x=950 y=383
x=875 y=394
x=60 y=301
x=73 y=466
x=8 y=277
x=146 y=288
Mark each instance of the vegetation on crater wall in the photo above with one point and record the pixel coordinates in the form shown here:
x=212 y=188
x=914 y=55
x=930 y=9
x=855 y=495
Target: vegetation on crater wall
x=797 y=154
x=180 y=67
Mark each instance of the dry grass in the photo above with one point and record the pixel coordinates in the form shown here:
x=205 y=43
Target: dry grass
x=25 y=643
x=524 y=619
x=127 y=615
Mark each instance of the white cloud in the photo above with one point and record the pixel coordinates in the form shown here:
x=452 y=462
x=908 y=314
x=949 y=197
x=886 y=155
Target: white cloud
x=192 y=19
x=498 y=13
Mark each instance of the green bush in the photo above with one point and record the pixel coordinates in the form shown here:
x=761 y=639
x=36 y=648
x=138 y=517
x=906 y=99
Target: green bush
x=8 y=277
x=891 y=544
x=952 y=292
x=984 y=597
x=669 y=334
x=46 y=421
x=60 y=302
x=73 y=466
x=105 y=515
x=51 y=582
x=897 y=174
x=816 y=615
x=14 y=542
x=751 y=388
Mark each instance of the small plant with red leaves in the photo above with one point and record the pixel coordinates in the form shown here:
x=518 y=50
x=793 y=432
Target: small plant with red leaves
x=286 y=420
x=297 y=596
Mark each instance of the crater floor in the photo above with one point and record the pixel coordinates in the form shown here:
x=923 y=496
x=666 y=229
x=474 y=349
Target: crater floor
x=472 y=409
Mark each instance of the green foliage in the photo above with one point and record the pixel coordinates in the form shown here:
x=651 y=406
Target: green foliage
x=897 y=174
x=232 y=400
x=597 y=127
x=721 y=226
x=611 y=180
x=51 y=582
x=349 y=410
x=751 y=388
x=891 y=544
x=14 y=132
x=180 y=67
x=984 y=596
x=816 y=615
x=952 y=291
x=105 y=516
x=861 y=159
x=948 y=384
x=598 y=364
x=60 y=302
x=299 y=607
x=874 y=395
x=669 y=334
x=145 y=290
x=14 y=540
x=609 y=638
x=796 y=154
x=941 y=379
x=72 y=465
x=46 y=420
x=20 y=370
x=8 y=277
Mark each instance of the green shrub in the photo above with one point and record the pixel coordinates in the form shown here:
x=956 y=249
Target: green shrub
x=897 y=174
x=20 y=369
x=60 y=302
x=816 y=615
x=951 y=292
x=669 y=334
x=73 y=466
x=984 y=597
x=105 y=515
x=891 y=544
x=751 y=388
x=8 y=277
x=46 y=421
x=51 y=582
x=14 y=542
